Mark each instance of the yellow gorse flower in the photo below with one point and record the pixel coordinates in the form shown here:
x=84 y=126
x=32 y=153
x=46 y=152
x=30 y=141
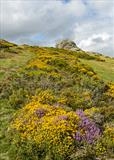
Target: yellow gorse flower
x=111 y=90
x=45 y=124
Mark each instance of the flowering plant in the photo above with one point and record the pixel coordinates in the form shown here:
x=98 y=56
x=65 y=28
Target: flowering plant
x=54 y=129
x=88 y=130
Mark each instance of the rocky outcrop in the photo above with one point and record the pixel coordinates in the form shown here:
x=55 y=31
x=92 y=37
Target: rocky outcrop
x=67 y=44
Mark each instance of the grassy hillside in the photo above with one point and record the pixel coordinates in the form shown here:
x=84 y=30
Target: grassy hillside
x=105 y=69
x=41 y=87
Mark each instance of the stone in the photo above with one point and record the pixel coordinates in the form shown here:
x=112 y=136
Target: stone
x=67 y=44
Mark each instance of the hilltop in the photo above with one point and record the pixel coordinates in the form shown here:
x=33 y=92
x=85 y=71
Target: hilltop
x=44 y=86
x=97 y=61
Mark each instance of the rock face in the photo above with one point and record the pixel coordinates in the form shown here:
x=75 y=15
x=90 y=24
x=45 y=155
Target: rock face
x=67 y=44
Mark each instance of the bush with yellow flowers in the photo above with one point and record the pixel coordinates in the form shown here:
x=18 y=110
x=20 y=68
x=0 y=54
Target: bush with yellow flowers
x=51 y=130
x=110 y=91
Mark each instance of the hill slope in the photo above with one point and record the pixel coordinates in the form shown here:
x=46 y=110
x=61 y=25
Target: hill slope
x=46 y=78
x=105 y=69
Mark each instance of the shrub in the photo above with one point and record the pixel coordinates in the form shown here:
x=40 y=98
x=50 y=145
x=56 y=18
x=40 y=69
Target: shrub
x=53 y=131
x=110 y=90
x=105 y=146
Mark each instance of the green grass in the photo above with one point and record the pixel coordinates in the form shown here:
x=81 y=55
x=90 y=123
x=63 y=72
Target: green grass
x=105 y=70
x=6 y=113
x=7 y=66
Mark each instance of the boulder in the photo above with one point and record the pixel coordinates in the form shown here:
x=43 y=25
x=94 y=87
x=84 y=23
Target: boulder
x=67 y=44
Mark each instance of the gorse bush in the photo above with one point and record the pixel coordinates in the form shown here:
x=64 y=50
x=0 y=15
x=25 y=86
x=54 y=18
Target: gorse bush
x=54 y=130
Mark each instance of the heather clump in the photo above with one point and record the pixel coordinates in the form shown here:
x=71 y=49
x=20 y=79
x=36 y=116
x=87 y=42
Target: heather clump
x=89 y=131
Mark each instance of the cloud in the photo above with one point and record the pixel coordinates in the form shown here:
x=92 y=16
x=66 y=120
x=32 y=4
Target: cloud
x=102 y=43
x=102 y=7
x=94 y=39
x=43 y=22
x=95 y=35
x=96 y=42
x=33 y=17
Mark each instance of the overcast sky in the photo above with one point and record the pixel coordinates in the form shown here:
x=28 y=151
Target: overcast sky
x=90 y=23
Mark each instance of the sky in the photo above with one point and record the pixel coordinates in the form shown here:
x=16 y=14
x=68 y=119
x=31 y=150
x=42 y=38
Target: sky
x=89 y=23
